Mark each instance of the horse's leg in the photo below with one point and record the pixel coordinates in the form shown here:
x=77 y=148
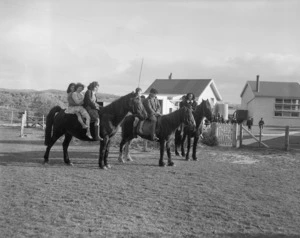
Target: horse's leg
x=106 y=154
x=187 y=155
x=122 y=144
x=182 y=144
x=170 y=162
x=127 y=154
x=177 y=141
x=162 y=151
x=196 y=138
x=102 y=150
x=67 y=140
x=52 y=141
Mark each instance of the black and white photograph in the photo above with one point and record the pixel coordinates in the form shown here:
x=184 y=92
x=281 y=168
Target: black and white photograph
x=147 y=118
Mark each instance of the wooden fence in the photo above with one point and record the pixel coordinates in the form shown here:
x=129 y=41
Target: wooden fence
x=238 y=135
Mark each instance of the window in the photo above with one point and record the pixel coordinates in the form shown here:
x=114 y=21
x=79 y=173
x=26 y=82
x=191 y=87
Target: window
x=285 y=107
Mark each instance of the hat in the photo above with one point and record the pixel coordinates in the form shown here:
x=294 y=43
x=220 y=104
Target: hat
x=138 y=90
x=153 y=90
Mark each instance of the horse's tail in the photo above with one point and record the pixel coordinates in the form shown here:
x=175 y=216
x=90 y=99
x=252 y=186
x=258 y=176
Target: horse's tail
x=49 y=123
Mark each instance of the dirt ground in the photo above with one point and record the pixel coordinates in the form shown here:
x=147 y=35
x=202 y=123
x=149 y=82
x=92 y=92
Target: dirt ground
x=227 y=193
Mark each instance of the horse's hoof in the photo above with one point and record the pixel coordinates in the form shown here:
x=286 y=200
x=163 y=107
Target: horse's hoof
x=129 y=159
x=187 y=159
x=103 y=167
x=195 y=159
x=171 y=164
x=121 y=161
x=46 y=162
x=162 y=164
x=108 y=166
x=69 y=164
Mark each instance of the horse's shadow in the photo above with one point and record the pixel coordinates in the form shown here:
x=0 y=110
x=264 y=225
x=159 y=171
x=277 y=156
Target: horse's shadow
x=22 y=142
x=35 y=159
x=80 y=159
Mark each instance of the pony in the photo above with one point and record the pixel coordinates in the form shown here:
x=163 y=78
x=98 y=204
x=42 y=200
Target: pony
x=59 y=123
x=203 y=110
x=166 y=125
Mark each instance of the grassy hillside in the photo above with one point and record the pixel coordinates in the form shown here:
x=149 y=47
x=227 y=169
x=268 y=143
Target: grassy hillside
x=39 y=103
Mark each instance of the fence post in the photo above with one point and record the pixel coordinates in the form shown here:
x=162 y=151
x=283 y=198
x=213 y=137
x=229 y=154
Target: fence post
x=241 y=134
x=287 y=138
x=23 y=124
x=27 y=125
x=214 y=129
x=43 y=122
x=234 y=135
x=145 y=145
x=259 y=143
x=12 y=117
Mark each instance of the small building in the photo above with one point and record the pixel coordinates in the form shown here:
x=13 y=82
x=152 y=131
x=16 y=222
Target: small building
x=278 y=103
x=170 y=92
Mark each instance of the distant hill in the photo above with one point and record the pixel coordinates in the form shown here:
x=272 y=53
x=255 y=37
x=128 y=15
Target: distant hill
x=39 y=103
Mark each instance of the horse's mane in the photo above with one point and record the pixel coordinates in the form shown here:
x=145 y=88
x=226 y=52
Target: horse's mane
x=117 y=106
x=199 y=113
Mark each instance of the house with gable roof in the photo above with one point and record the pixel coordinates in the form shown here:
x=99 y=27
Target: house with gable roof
x=170 y=92
x=278 y=103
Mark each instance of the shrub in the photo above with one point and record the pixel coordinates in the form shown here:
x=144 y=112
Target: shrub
x=209 y=139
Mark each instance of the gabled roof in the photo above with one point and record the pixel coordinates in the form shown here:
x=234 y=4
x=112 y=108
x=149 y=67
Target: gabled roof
x=182 y=86
x=274 y=89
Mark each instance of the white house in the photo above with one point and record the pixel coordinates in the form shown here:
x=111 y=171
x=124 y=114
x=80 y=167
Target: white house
x=278 y=103
x=170 y=91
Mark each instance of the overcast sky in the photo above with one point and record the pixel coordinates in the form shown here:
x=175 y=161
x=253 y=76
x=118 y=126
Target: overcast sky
x=47 y=44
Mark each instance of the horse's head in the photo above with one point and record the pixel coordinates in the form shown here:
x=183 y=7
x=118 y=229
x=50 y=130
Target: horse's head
x=205 y=109
x=137 y=107
x=188 y=119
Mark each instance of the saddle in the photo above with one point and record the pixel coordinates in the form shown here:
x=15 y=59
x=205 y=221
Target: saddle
x=143 y=127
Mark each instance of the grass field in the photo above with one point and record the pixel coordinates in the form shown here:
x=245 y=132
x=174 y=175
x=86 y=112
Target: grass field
x=227 y=193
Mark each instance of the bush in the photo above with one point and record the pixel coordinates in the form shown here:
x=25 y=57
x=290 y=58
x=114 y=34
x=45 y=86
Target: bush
x=209 y=139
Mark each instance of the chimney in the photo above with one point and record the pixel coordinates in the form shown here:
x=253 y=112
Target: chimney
x=257 y=83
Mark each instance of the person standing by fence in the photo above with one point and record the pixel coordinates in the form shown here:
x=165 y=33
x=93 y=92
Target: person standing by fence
x=261 y=124
x=250 y=123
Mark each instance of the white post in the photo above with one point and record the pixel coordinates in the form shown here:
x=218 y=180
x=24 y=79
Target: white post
x=214 y=129
x=145 y=145
x=23 y=122
x=43 y=122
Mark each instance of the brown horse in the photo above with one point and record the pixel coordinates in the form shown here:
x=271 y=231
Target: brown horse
x=59 y=123
x=167 y=125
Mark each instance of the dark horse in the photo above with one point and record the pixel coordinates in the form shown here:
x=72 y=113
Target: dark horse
x=201 y=111
x=59 y=123
x=167 y=124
